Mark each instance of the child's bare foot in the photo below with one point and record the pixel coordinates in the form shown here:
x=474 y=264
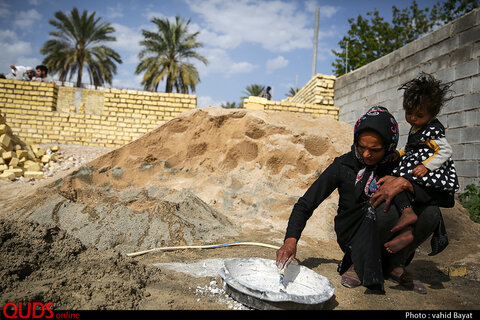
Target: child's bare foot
x=401 y=241
x=407 y=218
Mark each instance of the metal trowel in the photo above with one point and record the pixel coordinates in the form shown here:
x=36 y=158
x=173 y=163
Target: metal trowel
x=282 y=287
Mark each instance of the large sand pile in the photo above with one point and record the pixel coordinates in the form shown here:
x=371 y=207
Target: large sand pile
x=197 y=179
x=249 y=165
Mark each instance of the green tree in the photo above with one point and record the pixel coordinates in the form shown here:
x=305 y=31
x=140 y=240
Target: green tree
x=452 y=9
x=79 y=42
x=230 y=105
x=292 y=92
x=252 y=90
x=371 y=38
x=167 y=54
x=409 y=24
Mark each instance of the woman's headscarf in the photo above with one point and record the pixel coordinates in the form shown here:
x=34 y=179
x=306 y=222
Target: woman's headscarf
x=380 y=120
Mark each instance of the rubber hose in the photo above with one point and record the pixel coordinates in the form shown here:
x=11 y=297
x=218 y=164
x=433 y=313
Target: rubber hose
x=134 y=254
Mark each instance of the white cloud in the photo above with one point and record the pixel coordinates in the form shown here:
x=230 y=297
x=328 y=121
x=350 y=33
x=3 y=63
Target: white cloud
x=328 y=11
x=26 y=19
x=275 y=25
x=212 y=39
x=128 y=80
x=220 y=62
x=6 y=35
x=127 y=38
x=4 y=11
x=325 y=11
x=205 y=101
x=240 y=67
x=15 y=51
x=115 y=12
x=275 y=64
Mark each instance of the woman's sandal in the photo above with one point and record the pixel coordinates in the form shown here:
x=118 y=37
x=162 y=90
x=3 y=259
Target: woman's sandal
x=350 y=278
x=408 y=281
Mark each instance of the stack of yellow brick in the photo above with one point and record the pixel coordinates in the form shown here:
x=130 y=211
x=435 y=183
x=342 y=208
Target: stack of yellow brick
x=318 y=91
x=316 y=110
x=18 y=158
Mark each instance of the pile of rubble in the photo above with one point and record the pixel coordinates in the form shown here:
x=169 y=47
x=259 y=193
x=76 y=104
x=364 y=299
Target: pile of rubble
x=20 y=159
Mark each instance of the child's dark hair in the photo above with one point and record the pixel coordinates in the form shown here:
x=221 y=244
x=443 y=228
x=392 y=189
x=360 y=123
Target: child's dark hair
x=425 y=91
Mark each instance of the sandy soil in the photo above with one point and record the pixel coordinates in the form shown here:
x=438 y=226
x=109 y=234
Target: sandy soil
x=212 y=176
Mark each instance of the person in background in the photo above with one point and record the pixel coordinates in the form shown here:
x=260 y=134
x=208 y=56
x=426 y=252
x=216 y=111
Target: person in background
x=21 y=73
x=29 y=75
x=266 y=93
x=42 y=74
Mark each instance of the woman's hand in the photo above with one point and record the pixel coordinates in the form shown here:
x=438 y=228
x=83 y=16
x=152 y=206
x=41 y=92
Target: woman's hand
x=286 y=253
x=390 y=187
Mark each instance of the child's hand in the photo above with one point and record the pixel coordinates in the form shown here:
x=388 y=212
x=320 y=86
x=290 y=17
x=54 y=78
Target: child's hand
x=420 y=171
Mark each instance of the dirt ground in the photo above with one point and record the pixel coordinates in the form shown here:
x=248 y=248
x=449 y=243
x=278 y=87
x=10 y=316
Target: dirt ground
x=60 y=244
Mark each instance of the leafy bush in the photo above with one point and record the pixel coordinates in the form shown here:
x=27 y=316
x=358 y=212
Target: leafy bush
x=470 y=199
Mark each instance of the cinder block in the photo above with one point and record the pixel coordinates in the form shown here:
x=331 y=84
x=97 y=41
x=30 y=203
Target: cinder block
x=455 y=120
x=13 y=161
x=46 y=158
x=18 y=172
x=33 y=174
x=30 y=165
x=454 y=136
x=7 y=176
x=472 y=100
x=7 y=155
x=457 y=271
x=469 y=36
x=471 y=134
x=467 y=69
x=467 y=168
x=5 y=142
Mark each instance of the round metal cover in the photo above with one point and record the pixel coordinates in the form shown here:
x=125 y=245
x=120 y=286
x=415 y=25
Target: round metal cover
x=255 y=282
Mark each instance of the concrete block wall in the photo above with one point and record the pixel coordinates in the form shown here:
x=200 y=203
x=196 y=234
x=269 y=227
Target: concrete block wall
x=452 y=54
x=258 y=103
x=32 y=112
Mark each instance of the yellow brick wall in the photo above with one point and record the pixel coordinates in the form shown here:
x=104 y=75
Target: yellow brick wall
x=315 y=98
x=80 y=100
x=46 y=113
x=319 y=90
x=257 y=103
x=66 y=100
x=32 y=111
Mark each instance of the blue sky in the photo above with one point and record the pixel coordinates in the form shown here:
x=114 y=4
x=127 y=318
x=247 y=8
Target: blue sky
x=265 y=42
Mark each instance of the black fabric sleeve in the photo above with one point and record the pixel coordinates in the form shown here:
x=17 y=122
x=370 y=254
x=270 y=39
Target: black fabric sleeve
x=325 y=184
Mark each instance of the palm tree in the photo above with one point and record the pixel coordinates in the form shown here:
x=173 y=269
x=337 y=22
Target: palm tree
x=253 y=90
x=167 y=53
x=230 y=105
x=79 y=43
x=292 y=92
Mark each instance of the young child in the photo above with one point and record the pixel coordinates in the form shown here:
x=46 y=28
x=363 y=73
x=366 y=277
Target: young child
x=425 y=159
